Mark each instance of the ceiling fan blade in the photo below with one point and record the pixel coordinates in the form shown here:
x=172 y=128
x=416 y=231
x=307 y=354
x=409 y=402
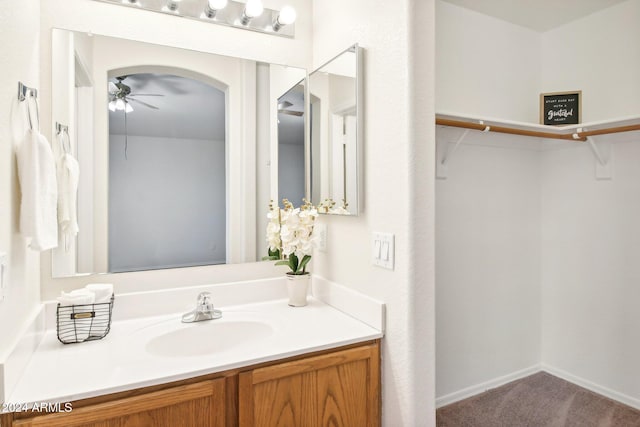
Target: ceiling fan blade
x=112 y=87
x=145 y=94
x=284 y=104
x=291 y=113
x=167 y=83
x=144 y=103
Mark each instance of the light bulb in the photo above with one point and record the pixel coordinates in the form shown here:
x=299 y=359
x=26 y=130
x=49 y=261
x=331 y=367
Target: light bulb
x=112 y=106
x=120 y=105
x=213 y=7
x=217 y=4
x=128 y=108
x=172 y=5
x=253 y=8
x=287 y=16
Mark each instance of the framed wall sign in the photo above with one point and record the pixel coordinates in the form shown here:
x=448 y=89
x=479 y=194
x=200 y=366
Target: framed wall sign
x=561 y=108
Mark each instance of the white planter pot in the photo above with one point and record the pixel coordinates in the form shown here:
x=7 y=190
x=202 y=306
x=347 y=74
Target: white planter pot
x=298 y=288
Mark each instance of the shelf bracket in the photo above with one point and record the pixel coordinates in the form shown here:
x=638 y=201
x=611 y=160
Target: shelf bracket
x=604 y=160
x=443 y=147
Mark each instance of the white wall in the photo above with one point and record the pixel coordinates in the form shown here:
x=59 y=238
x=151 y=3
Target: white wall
x=488 y=261
x=537 y=264
x=117 y=21
x=166 y=203
x=398 y=149
x=583 y=264
x=19 y=56
x=486 y=67
x=598 y=55
x=491 y=68
x=590 y=269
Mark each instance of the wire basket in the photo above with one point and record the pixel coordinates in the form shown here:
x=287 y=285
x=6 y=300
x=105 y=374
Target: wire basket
x=83 y=322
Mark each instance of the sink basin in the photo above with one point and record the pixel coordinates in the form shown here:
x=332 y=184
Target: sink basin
x=207 y=337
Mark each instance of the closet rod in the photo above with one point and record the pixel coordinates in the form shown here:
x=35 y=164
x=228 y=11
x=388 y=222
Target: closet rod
x=512 y=131
x=607 y=131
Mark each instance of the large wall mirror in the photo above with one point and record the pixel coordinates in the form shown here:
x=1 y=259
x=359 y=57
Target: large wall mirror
x=335 y=92
x=176 y=150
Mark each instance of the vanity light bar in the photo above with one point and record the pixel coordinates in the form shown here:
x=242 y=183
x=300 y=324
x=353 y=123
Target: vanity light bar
x=234 y=14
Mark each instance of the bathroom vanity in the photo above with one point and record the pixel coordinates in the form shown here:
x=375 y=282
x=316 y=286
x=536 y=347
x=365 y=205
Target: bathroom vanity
x=339 y=386
x=262 y=363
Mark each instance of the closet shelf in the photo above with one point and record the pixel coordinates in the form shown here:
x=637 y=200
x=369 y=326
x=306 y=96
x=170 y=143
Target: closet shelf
x=576 y=133
x=584 y=132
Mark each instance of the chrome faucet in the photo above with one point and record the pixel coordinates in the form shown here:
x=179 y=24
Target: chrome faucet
x=204 y=310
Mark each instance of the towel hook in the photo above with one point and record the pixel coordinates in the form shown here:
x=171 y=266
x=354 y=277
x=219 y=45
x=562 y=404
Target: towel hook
x=62 y=130
x=24 y=94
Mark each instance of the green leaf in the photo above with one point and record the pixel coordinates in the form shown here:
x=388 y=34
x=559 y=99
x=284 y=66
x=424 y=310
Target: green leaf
x=293 y=262
x=270 y=258
x=304 y=262
x=283 y=262
x=274 y=253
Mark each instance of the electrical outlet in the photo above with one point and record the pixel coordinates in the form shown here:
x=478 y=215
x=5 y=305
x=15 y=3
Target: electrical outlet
x=383 y=250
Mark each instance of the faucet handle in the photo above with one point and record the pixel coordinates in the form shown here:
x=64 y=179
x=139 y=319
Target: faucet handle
x=204 y=301
x=204 y=310
x=204 y=298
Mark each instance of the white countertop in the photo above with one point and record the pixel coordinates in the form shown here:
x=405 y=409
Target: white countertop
x=120 y=361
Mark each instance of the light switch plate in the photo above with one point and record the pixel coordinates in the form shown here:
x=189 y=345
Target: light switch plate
x=383 y=250
x=320 y=230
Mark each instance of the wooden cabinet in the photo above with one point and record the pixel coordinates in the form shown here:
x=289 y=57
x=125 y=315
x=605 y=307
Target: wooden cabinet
x=194 y=405
x=330 y=388
x=336 y=389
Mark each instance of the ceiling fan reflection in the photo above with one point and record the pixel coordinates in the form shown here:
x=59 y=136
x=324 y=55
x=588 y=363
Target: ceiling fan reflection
x=120 y=96
x=283 y=108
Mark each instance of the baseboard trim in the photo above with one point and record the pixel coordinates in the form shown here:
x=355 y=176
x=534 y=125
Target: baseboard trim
x=591 y=386
x=487 y=385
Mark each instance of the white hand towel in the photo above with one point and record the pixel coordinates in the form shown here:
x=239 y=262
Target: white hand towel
x=68 y=173
x=102 y=291
x=81 y=301
x=77 y=297
x=38 y=206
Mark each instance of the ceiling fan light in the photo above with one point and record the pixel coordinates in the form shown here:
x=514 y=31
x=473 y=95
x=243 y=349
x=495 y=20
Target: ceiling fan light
x=112 y=105
x=120 y=104
x=128 y=108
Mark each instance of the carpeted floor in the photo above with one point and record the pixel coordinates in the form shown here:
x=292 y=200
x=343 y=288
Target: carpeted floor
x=540 y=400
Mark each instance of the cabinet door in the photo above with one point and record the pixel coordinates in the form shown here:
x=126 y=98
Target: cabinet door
x=335 y=389
x=195 y=405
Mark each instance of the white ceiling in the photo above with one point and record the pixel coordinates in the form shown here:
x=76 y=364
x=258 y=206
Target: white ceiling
x=539 y=15
x=187 y=108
